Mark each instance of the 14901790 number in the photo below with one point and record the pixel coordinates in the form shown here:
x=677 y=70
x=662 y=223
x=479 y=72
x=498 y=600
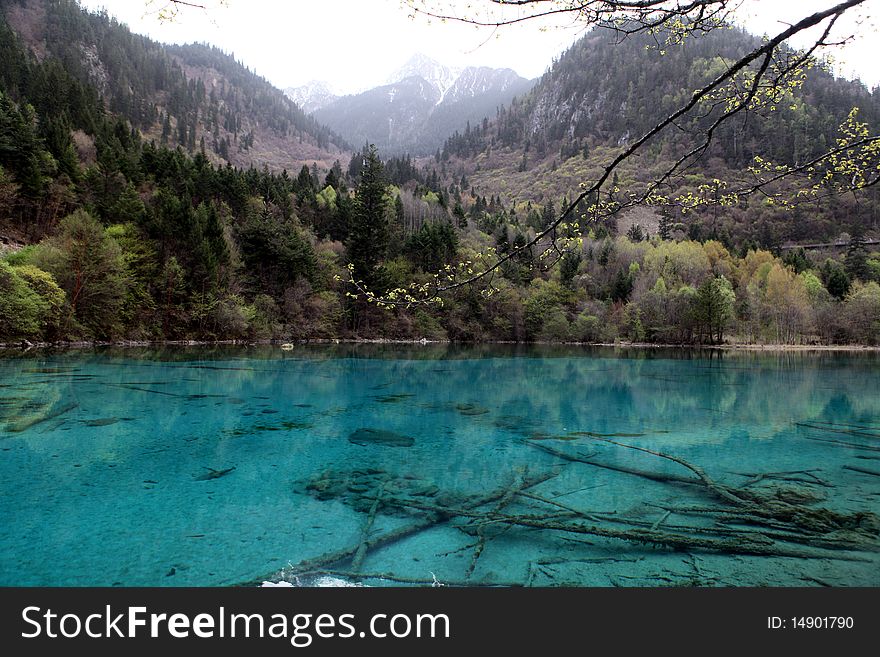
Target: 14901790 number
x=822 y=622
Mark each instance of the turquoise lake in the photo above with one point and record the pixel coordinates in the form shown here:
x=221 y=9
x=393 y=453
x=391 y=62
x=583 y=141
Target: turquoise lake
x=220 y=466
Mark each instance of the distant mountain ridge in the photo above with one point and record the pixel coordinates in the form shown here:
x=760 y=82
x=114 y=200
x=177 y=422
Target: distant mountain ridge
x=312 y=96
x=438 y=75
x=422 y=103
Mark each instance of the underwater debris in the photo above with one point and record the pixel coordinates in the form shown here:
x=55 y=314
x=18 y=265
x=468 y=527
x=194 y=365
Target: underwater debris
x=784 y=509
x=126 y=386
x=366 y=436
x=361 y=552
x=844 y=443
x=868 y=471
x=429 y=519
x=540 y=435
x=288 y=425
x=771 y=516
x=797 y=476
x=358 y=489
x=296 y=425
x=470 y=409
x=870 y=427
x=100 y=422
x=861 y=432
x=214 y=474
x=481 y=529
x=594 y=434
x=517 y=424
x=392 y=399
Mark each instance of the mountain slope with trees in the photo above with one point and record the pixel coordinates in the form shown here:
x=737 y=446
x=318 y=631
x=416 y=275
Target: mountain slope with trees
x=194 y=96
x=605 y=92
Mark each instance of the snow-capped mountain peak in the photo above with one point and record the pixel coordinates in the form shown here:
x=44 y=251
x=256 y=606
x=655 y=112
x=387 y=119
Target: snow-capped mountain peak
x=477 y=80
x=312 y=96
x=419 y=65
x=423 y=102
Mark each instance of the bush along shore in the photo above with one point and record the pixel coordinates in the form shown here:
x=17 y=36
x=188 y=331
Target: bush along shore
x=90 y=283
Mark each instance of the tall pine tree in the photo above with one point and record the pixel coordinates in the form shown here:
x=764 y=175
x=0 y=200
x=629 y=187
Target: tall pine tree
x=369 y=231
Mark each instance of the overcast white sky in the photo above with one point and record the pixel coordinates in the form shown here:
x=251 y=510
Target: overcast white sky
x=356 y=44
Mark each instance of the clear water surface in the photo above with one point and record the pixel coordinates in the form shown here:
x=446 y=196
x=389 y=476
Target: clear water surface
x=210 y=466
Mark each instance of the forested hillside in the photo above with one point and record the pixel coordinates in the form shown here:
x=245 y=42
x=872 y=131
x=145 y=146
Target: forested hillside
x=195 y=96
x=605 y=92
x=133 y=235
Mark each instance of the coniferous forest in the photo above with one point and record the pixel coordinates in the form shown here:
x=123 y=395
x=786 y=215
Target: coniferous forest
x=143 y=197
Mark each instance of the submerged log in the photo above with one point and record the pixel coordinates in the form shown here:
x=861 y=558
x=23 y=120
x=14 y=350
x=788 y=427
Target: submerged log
x=512 y=491
x=782 y=524
x=755 y=545
x=431 y=519
x=365 y=532
x=836 y=429
x=590 y=460
x=367 y=436
x=807 y=477
x=845 y=443
x=214 y=474
x=868 y=471
x=778 y=508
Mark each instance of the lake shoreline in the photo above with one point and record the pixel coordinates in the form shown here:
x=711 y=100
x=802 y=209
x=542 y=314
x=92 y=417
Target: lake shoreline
x=288 y=345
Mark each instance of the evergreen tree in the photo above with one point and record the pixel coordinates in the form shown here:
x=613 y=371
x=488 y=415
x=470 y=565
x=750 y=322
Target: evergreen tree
x=21 y=149
x=857 y=257
x=334 y=176
x=166 y=129
x=369 y=231
x=568 y=267
x=399 y=213
x=433 y=246
x=835 y=279
x=460 y=216
x=502 y=241
x=664 y=230
x=548 y=214
x=797 y=260
x=635 y=233
x=621 y=286
x=304 y=182
x=714 y=307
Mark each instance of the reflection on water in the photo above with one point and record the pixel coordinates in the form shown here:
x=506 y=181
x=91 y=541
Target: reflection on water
x=481 y=465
